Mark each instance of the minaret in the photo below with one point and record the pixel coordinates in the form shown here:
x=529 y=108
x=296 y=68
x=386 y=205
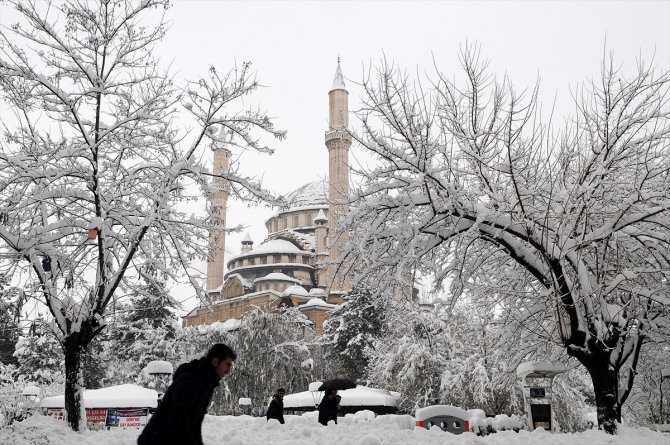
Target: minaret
x=217 y=237
x=338 y=141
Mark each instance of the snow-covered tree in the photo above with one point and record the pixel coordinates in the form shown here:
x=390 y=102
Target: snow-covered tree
x=351 y=330
x=39 y=355
x=142 y=331
x=473 y=186
x=9 y=321
x=95 y=160
x=272 y=351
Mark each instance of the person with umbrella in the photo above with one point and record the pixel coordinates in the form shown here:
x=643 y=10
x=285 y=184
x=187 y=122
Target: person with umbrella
x=330 y=404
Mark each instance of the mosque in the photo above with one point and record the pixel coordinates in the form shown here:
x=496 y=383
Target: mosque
x=291 y=266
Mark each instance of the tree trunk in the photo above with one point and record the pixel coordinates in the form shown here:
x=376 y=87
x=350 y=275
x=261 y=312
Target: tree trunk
x=605 y=387
x=73 y=350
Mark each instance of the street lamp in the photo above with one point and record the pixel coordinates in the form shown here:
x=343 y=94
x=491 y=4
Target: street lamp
x=159 y=370
x=665 y=373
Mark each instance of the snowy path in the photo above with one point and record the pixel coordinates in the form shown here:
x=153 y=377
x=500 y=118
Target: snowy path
x=385 y=430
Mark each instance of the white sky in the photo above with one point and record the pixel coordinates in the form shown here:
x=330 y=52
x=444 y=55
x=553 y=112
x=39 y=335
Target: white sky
x=294 y=47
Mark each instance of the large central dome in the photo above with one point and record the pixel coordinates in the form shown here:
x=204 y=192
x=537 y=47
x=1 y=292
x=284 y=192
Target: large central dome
x=309 y=195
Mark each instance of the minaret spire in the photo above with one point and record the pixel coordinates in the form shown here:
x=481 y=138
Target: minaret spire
x=338 y=82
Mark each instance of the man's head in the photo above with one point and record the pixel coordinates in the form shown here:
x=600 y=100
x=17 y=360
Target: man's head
x=281 y=392
x=221 y=357
x=331 y=393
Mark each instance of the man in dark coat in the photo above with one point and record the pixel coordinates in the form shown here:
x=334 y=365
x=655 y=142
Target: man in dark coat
x=329 y=406
x=276 y=408
x=178 y=419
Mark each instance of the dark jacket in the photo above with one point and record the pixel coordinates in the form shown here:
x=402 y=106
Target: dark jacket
x=276 y=409
x=327 y=410
x=179 y=416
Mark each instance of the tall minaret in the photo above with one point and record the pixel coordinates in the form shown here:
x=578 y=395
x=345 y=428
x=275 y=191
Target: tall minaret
x=217 y=237
x=338 y=142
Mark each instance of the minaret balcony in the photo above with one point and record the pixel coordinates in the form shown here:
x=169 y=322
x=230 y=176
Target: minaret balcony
x=337 y=135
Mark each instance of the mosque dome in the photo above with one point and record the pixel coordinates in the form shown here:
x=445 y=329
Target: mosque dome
x=312 y=194
x=296 y=290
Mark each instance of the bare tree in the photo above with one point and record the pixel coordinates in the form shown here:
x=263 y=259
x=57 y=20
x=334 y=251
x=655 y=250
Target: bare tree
x=97 y=148
x=573 y=223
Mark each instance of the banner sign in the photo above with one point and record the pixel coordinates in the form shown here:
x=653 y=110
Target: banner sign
x=104 y=417
x=127 y=418
x=96 y=416
x=58 y=413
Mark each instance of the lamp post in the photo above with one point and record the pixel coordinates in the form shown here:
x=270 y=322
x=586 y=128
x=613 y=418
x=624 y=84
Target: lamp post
x=665 y=373
x=159 y=370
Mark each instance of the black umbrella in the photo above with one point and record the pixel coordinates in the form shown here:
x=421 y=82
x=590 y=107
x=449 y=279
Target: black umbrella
x=337 y=384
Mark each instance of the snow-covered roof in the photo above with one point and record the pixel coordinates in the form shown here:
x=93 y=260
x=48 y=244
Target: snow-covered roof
x=229 y=325
x=317 y=302
x=277 y=276
x=539 y=369
x=316 y=291
x=158 y=367
x=296 y=290
x=245 y=282
x=308 y=195
x=358 y=396
x=247 y=239
x=120 y=396
x=31 y=391
x=338 y=82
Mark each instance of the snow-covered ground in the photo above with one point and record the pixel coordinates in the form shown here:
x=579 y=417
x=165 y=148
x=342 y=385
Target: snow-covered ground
x=359 y=429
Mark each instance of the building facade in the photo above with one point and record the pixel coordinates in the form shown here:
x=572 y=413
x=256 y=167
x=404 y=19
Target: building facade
x=292 y=265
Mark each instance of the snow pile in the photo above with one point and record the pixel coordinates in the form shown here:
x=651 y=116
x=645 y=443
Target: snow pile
x=501 y=422
x=158 y=367
x=305 y=430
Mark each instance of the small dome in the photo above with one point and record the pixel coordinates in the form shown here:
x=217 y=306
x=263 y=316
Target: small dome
x=321 y=217
x=276 y=276
x=296 y=290
x=316 y=292
x=276 y=246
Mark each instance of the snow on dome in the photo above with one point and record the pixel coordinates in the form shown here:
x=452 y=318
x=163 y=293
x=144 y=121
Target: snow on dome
x=309 y=195
x=120 y=396
x=277 y=276
x=296 y=290
x=316 y=291
x=317 y=302
x=274 y=246
x=159 y=367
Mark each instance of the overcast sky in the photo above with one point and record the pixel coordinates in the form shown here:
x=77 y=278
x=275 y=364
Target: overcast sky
x=294 y=48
